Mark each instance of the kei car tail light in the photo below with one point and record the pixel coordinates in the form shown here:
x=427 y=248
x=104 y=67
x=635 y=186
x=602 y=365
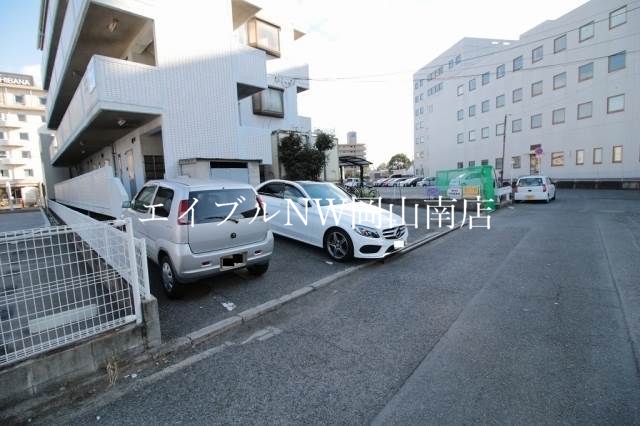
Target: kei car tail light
x=183 y=207
x=261 y=205
x=544 y=188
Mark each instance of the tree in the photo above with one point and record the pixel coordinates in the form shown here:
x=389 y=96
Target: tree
x=382 y=166
x=399 y=161
x=302 y=161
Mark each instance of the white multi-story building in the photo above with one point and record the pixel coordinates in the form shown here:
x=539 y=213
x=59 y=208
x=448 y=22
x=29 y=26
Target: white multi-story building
x=565 y=89
x=164 y=88
x=21 y=127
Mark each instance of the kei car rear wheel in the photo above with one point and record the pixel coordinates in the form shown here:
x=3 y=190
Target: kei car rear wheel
x=170 y=283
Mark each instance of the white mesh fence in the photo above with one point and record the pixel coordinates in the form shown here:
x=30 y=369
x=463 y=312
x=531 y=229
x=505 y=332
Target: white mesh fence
x=65 y=283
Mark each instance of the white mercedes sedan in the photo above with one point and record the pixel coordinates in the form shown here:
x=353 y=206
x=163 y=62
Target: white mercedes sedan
x=323 y=215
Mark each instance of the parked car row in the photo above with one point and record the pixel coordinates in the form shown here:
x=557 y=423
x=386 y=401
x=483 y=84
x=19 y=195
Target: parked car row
x=405 y=181
x=198 y=228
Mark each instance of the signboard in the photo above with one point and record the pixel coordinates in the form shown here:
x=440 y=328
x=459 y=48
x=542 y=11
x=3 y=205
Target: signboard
x=16 y=79
x=470 y=191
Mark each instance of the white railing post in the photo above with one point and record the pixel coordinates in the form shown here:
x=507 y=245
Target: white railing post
x=135 y=285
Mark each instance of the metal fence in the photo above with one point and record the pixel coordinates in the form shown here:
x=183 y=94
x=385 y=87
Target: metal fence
x=62 y=284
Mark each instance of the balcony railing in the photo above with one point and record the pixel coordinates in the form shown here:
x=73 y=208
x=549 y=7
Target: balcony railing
x=11 y=143
x=112 y=84
x=12 y=161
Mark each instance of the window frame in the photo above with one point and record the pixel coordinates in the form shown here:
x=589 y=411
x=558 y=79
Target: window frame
x=613 y=154
x=599 y=151
x=557 y=159
x=486 y=78
x=590 y=76
x=517 y=63
x=257 y=102
x=460 y=89
x=471 y=112
x=485 y=102
x=586 y=116
x=516 y=164
x=460 y=114
x=498 y=105
x=519 y=129
x=498 y=131
x=591 y=24
x=579 y=157
x=535 y=116
x=253 y=39
x=564 y=82
x=24 y=136
x=610 y=98
x=562 y=47
x=471 y=135
x=622 y=54
x=485 y=132
x=472 y=87
x=535 y=85
x=613 y=14
x=460 y=138
x=533 y=54
x=500 y=71
x=553 y=116
x=513 y=95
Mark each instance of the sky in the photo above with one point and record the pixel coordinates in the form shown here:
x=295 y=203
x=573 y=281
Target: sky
x=361 y=54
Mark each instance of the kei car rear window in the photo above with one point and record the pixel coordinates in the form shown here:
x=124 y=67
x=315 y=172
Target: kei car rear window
x=224 y=204
x=530 y=182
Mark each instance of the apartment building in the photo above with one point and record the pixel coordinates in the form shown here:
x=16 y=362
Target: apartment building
x=559 y=100
x=158 y=89
x=21 y=127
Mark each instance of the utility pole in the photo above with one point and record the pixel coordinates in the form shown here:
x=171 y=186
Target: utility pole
x=504 y=137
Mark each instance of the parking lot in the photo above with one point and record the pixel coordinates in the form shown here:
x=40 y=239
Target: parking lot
x=293 y=266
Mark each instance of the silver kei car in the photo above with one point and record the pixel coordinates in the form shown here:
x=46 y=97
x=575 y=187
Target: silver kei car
x=198 y=228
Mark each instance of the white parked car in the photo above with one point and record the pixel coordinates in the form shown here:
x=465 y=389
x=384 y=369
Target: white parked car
x=534 y=188
x=345 y=228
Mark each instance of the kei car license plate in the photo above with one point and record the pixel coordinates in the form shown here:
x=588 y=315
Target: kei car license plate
x=233 y=261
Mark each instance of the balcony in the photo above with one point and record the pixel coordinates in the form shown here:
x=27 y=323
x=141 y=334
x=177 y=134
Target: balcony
x=10 y=122
x=250 y=70
x=13 y=162
x=77 y=30
x=113 y=98
x=10 y=143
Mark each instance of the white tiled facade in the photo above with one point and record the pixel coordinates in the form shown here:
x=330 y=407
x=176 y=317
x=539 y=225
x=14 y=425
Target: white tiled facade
x=21 y=126
x=172 y=82
x=574 y=98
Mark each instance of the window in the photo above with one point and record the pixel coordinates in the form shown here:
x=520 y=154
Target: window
x=500 y=70
x=515 y=162
x=586 y=31
x=144 y=199
x=460 y=89
x=19 y=99
x=43 y=100
x=560 y=44
x=516 y=95
x=484 y=133
x=559 y=80
x=558 y=116
x=517 y=63
x=4 y=172
x=499 y=163
x=28 y=172
x=615 y=104
x=472 y=84
x=450 y=63
x=485 y=106
x=22 y=117
x=3 y=154
x=460 y=114
x=269 y=102
x=472 y=163
x=472 y=135
x=557 y=159
x=26 y=154
x=516 y=125
x=24 y=136
x=499 y=129
x=460 y=164
x=617 y=61
x=579 y=157
x=485 y=78
x=585 y=72
x=597 y=155
x=264 y=36
x=499 y=101
x=458 y=59
x=460 y=137
x=617 y=154
x=3 y=135
x=618 y=17
x=43 y=119
x=472 y=110
x=536 y=88
x=163 y=200
x=536 y=54
x=585 y=110
x=484 y=162
x=536 y=121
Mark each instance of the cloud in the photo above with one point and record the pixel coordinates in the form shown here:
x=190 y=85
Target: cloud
x=33 y=70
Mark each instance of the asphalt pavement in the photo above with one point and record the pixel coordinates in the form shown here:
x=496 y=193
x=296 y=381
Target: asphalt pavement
x=532 y=321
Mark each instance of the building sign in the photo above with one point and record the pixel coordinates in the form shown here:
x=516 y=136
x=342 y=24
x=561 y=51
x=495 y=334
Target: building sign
x=16 y=79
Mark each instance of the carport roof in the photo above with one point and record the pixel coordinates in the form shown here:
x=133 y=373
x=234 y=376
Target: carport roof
x=352 y=160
